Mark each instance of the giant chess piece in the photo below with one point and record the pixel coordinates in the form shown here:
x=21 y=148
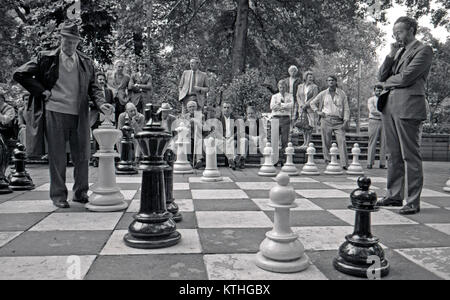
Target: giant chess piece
x=447 y=186
x=106 y=195
x=268 y=169
x=4 y=184
x=355 y=167
x=310 y=168
x=153 y=226
x=19 y=179
x=334 y=168
x=125 y=165
x=172 y=207
x=282 y=250
x=357 y=254
x=182 y=165
x=211 y=172
x=289 y=167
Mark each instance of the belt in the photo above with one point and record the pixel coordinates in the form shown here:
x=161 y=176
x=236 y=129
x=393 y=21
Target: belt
x=333 y=117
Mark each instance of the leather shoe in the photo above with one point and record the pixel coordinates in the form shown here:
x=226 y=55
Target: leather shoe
x=242 y=163
x=382 y=167
x=409 y=210
x=369 y=167
x=389 y=202
x=83 y=199
x=345 y=167
x=232 y=164
x=61 y=204
x=198 y=164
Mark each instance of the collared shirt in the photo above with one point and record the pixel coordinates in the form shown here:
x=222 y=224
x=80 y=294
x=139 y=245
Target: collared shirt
x=281 y=105
x=337 y=106
x=291 y=85
x=372 y=106
x=69 y=61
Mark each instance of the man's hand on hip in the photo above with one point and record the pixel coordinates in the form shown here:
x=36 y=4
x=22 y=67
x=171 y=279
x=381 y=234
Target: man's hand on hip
x=46 y=95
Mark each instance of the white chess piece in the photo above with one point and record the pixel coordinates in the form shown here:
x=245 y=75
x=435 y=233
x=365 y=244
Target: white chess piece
x=282 y=251
x=355 y=167
x=211 y=172
x=289 y=167
x=182 y=165
x=310 y=168
x=334 y=168
x=106 y=195
x=267 y=169
x=447 y=186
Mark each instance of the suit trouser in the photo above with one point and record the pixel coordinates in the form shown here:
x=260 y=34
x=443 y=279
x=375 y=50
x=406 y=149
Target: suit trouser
x=328 y=126
x=279 y=135
x=61 y=128
x=403 y=148
x=376 y=131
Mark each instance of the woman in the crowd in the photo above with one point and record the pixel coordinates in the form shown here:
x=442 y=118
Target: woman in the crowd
x=306 y=92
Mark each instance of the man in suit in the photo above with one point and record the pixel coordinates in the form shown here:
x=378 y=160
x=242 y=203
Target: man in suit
x=232 y=142
x=140 y=87
x=193 y=86
x=94 y=114
x=61 y=82
x=404 y=73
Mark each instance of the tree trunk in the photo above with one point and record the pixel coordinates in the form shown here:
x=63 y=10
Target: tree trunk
x=239 y=53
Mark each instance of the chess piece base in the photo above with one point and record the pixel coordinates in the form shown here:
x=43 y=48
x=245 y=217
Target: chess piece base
x=4 y=188
x=310 y=173
x=212 y=179
x=152 y=242
x=125 y=169
x=357 y=270
x=172 y=207
x=355 y=170
x=446 y=188
x=333 y=170
x=267 y=171
x=106 y=202
x=292 y=266
x=291 y=171
x=182 y=168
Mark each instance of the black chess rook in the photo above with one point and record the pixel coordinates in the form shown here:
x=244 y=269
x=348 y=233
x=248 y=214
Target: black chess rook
x=125 y=166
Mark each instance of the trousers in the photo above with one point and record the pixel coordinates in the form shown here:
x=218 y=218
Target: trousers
x=62 y=128
x=328 y=126
x=376 y=132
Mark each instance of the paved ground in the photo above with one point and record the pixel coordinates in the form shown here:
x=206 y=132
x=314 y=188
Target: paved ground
x=223 y=225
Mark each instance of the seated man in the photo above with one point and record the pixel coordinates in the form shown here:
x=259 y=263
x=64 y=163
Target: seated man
x=168 y=122
x=232 y=142
x=7 y=115
x=137 y=122
x=195 y=119
x=255 y=132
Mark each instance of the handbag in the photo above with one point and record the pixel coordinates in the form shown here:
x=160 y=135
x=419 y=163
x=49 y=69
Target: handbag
x=302 y=122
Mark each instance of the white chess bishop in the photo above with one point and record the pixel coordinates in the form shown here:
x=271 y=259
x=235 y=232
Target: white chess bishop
x=211 y=172
x=182 y=165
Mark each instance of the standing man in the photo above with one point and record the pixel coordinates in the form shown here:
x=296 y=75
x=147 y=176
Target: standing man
x=61 y=82
x=140 y=87
x=332 y=107
x=404 y=73
x=193 y=86
x=376 y=130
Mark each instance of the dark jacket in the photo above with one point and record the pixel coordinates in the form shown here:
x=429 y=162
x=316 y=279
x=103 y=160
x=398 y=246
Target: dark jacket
x=94 y=113
x=40 y=74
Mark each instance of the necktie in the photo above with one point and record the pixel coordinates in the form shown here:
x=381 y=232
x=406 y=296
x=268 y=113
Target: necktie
x=192 y=83
x=69 y=63
x=397 y=59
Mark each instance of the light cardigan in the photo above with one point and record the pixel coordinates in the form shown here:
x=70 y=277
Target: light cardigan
x=281 y=106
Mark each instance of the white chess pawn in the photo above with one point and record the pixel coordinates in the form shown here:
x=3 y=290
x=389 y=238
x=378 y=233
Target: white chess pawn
x=182 y=165
x=289 y=167
x=211 y=172
x=267 y=169
x=310 y=168
x=334 y=168
x=282 y=251
x=355 y=167
x=447 y=186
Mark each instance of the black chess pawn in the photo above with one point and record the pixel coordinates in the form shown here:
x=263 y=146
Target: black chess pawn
x=172 y=207
x=125 y=165
x=153 y=226
x=19 y=178
x=361 y=255
x=4 y=184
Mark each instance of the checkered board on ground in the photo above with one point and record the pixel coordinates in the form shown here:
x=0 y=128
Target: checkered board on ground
x=222 y=228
